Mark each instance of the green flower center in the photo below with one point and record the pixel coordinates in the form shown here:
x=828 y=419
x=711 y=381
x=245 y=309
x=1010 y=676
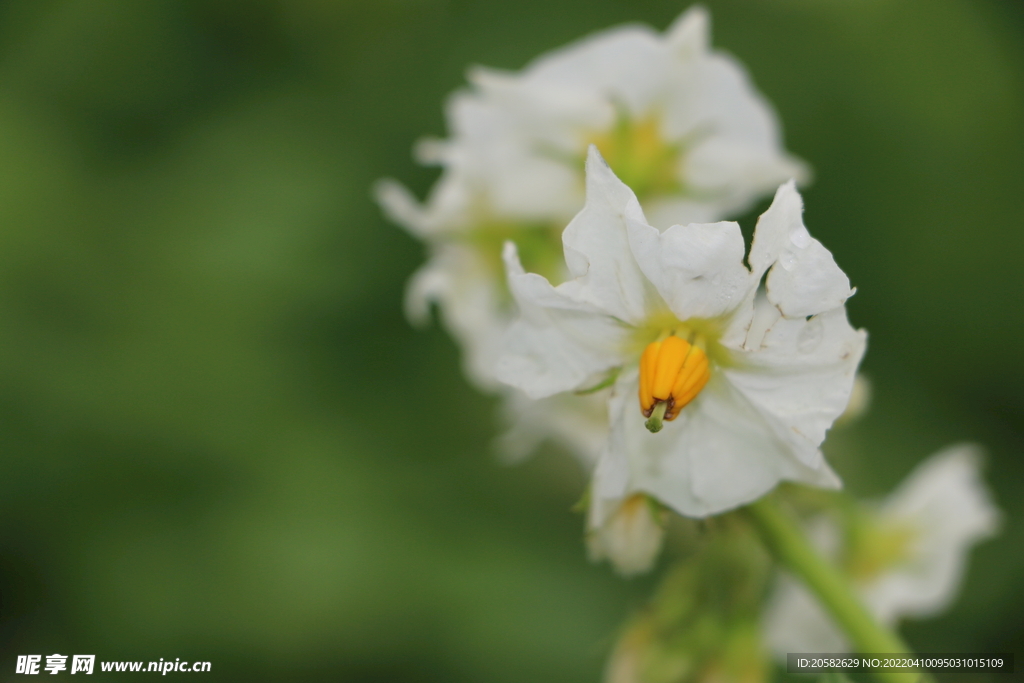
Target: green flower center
x=704 y=333
x=640 y=156
x=539 y=246
x=874 y=546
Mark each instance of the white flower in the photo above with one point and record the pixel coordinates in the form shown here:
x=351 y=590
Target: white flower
x=678 y=121
x=765 y=370
x=906 y=557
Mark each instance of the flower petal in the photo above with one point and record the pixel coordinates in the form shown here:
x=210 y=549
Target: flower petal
x=731 y=172
x=719 y=453
x=799 y=376
x=449 y=206
x=690 y=33
x=559 y=343
x=630 y=64
x=804 y=279
x=697 y=269
x=400 y=206
x=494 y=152
x=597 y=247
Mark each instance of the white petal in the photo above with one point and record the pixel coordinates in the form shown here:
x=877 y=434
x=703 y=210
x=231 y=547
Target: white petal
x=431 y=151
x=948 y=484
x=611 y=481
x=799 y=376
x=400 y=206
x=720 y=104
x=668 y=210
x=559 y=343
x=495 y=150
x=804 y=279
x=732 y=173
x=597 y=247
x=627 y=64
x=946 y=501
x=534 y=188
x=719 y=453
x=750 y=336
x=449 y=207
x=427 y=286
x=733 y=151
x=577 y=423
x=698 y=269
x=546 y=109
x=690 y=34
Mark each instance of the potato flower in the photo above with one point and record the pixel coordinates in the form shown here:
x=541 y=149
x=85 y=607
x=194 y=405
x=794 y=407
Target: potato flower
x=722 y=385
x=905 y=555
x=679 y=122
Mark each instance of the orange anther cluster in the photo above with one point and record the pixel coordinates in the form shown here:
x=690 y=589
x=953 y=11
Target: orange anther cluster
x=672 y=371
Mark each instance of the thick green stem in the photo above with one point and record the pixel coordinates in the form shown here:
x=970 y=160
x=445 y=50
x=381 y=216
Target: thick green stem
x=786 y=540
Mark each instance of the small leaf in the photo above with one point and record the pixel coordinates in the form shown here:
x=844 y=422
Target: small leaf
x=606 y=382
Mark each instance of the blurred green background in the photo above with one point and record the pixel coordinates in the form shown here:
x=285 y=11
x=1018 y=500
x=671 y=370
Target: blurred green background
x=221 y=441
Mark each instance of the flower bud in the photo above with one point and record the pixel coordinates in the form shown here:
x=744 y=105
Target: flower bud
x=632 y=537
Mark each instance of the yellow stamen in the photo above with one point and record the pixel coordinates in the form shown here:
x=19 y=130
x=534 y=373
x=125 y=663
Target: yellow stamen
x=672 y=372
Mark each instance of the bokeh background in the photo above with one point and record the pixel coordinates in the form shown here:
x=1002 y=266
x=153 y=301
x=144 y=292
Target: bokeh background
x=219 y=439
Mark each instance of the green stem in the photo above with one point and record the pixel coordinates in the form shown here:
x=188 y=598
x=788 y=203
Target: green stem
x=655 y=421
x=784 y=537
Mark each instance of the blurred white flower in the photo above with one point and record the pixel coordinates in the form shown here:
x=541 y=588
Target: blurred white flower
x=755 y=374
x=906 y=555
x=678 y=121
x=577 y=423
x=472 y=307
